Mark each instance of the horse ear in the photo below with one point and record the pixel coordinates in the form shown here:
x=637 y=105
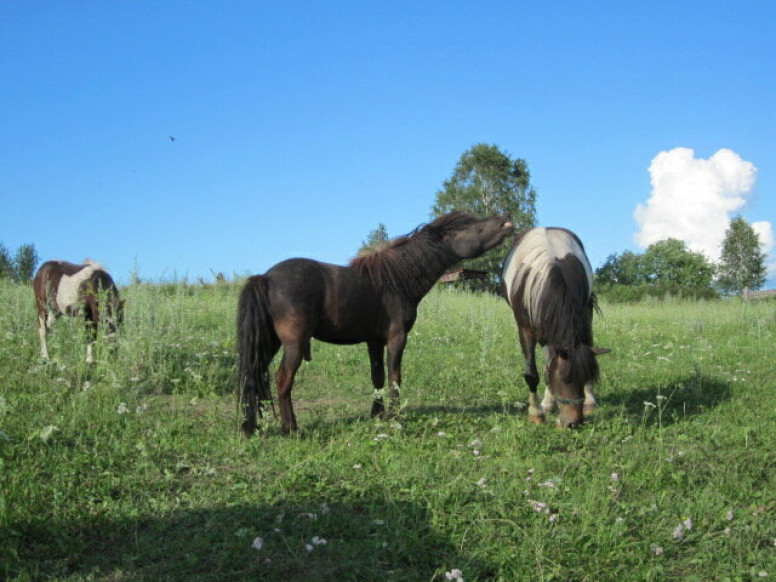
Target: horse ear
x=600 y=351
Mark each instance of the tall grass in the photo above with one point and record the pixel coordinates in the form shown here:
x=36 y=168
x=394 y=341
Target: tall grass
x=134 y=469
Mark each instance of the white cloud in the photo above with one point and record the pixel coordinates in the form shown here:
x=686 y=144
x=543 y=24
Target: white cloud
x=694 y=199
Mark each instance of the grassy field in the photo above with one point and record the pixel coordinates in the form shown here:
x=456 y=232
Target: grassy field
x=134 y=469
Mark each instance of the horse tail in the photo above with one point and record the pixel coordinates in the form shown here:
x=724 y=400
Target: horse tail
x=257 y=344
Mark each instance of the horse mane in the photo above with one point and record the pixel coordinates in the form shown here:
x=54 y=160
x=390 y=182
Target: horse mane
x=554 y=283
x=411 y=264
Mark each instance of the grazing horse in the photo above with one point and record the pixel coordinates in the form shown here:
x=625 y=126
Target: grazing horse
x=373 y=300
x=88 y=290
x=548 y=283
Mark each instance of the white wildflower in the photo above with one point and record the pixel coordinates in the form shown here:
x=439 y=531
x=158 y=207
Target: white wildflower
x=553 y=518
x=482 y=481
x=309 y=547
x=551 y=484
x=455 y=575
x=729 y=515
x=441 y=434
x=317 y=541
x=122 y=409
x=47 y=432
x=382 y=436
x=325 y=509
x=615 y=476
x=656 y=549
x=357 y=466
x=257 y=544
x=539 y=506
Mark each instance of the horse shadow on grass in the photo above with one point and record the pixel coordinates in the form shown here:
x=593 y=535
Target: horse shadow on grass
x=371 y=539
x=672 y=402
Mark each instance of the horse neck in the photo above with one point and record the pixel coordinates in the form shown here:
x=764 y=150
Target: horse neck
x=426 y=263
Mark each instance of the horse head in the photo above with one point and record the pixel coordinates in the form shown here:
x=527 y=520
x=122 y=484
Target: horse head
x=470 y=237
x=570 y=372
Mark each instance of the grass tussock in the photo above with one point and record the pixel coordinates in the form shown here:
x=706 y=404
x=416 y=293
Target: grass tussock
x=134 y=468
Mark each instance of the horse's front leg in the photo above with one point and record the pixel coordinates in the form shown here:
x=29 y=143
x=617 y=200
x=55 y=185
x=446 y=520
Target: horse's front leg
x=377 y=364
x=396 y=343
x=528 y=346
x=91 y=338
x=590 y=404
x=43 y=329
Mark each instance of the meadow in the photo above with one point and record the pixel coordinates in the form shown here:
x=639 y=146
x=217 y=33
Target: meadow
x=134 y=468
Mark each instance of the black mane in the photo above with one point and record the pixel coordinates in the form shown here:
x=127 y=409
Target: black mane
x=411 y=264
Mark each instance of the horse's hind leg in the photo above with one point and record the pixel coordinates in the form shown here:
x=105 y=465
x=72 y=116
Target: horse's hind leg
x=378 y=377
x=284 y=379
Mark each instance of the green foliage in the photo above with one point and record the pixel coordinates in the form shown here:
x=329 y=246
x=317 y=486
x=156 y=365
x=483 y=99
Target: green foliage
x=742 y=262
x=6 y=263
x=486 y=181
x=624 y=269
x=670 y=263
x=617 y=293
x=25 y=262
x=134 y=468
x=665 y=265
x=375 y=241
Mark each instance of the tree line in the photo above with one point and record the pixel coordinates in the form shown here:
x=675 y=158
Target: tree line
x=487 y=180
x=21 y=266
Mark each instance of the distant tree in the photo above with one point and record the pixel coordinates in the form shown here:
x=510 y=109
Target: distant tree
x=25 y=262
x=375 y=241
x=6 y=264
x=668 y=262
x=487 y=181
x=624 y=269
x=742 y=261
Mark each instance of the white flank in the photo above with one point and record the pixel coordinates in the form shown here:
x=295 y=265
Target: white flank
x=532 y=257
x=67 y=292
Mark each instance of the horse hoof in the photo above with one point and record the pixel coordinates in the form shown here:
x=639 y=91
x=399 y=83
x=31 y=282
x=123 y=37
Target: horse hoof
x=536 y=419
x=588 y=410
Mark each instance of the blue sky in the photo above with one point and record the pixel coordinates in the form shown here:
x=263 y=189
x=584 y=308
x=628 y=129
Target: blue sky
x=299 y=126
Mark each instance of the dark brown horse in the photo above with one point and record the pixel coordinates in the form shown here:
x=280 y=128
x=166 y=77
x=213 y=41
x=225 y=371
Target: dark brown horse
x=373 y=300
x=86 y=290
x=548 y=283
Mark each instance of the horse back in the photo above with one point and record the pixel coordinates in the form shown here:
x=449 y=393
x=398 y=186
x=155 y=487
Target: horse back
x=325 y=301
x=547 y=278
x=61 y=286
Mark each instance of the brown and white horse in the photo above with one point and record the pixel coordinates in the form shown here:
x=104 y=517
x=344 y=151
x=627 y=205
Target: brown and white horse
x=548 y=282
x=87 y=290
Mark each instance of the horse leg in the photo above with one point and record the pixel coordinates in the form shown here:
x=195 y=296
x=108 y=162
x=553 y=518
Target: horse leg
x=378 y=377
x=284 y=380
x=91 y=334
x=43 y=329
x=590 y=404
x=528 y=345
x=396 y=343
x=548 y=402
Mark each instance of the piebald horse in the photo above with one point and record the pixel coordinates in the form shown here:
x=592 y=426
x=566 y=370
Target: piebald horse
x=548 y=283
x=372 y=300
x=79 y=290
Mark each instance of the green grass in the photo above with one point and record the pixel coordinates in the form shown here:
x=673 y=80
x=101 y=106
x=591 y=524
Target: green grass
x=134 y=468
